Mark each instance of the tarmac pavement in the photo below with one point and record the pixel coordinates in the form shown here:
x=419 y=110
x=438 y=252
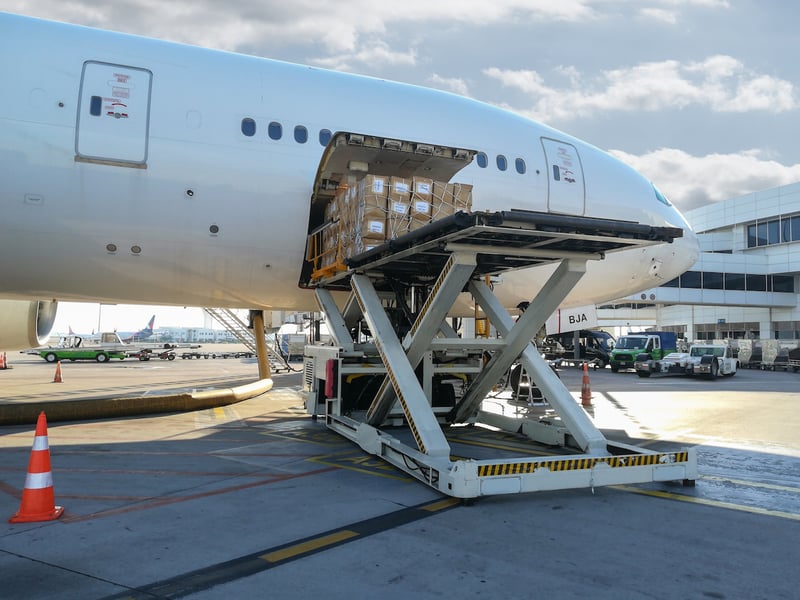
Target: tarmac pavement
x=255 y=499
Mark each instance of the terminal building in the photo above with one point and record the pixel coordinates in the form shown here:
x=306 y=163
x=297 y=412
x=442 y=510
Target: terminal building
x=745 y=282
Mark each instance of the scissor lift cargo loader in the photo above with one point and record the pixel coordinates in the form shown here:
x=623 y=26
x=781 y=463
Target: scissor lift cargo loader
x=425 y=378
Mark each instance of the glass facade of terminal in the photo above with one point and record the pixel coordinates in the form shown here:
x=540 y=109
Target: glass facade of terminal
x=711 y=280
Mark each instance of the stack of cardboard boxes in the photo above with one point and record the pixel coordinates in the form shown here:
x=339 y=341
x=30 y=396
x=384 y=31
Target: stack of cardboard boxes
x=378 y=209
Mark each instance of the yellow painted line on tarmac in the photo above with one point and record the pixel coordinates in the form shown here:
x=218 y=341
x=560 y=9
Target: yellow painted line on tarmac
x=361 y=463
x=707 y=502
x=207 y=577
x=441 y=505
x=755 y=484
x=309 y=546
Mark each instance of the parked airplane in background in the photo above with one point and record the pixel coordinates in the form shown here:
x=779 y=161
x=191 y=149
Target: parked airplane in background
x=139 y=171
x=126 y=336
x=138 y=336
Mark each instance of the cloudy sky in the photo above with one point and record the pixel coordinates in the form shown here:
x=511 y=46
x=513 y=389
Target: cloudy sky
x=698 y=95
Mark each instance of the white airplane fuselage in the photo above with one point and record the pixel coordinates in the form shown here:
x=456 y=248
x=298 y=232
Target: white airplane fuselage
x=172 y=201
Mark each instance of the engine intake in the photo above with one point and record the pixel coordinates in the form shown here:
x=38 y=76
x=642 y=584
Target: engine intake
x=25 y=324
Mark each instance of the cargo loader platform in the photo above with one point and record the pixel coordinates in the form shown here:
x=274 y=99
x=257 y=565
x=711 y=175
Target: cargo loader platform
x=399 y=373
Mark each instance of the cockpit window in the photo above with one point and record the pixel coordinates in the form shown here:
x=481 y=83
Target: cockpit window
x=661 y=197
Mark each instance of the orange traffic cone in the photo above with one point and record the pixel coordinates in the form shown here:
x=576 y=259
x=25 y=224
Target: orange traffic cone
x=586 y=391
x=38 y=497
x=57 y=378
x=3 y=363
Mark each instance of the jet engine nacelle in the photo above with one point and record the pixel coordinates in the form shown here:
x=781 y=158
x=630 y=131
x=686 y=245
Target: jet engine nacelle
x=25 y=324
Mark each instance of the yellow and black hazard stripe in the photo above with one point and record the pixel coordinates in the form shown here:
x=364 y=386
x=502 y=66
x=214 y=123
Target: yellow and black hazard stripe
x=580 y=464
x=411 y=425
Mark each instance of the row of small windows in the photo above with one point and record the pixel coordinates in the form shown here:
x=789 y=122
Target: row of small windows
x=775 y=231
x=501 y=161
x=275 y=132
x=710 y=280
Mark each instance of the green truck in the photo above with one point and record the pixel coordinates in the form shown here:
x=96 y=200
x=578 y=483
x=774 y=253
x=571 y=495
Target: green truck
x=654 y=345
x=72 y=347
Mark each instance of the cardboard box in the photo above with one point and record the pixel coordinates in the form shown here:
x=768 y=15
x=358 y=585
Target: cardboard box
x=462 y=196
x=397 y=219
x=443 y=204
x=371 y=212
x=423 y=188
x=399 y=189
x=441 y=209
x=421 y=199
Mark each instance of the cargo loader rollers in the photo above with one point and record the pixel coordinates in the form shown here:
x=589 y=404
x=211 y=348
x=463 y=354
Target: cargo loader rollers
x=402 y=384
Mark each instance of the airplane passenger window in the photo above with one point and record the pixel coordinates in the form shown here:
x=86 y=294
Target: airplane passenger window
x=275 y=130
x=520 y=164
x=324 y=137
x=502 y=163
x=480 y=157
x=300 y=134
x=248 y=127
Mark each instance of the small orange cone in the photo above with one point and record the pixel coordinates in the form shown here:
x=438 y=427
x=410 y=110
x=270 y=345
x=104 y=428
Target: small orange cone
x=57 y=378
x=3 y=363
x=586 y=391
x=38 y=497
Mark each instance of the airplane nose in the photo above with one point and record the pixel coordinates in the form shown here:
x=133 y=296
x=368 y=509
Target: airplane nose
x=689 y=246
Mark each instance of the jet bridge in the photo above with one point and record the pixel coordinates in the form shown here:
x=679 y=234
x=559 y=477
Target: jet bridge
x=402 y=384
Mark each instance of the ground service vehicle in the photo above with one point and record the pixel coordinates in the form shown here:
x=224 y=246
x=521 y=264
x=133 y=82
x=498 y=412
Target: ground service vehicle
x=73 y=348
x=654 y=344
x=148 y=353
x=593 y=346
x=708 y=360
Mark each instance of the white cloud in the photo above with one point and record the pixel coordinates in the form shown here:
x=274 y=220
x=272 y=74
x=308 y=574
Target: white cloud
x=692 y=181
x=339 y=27
x=660 y=14
x=704 y=3
x=720 y=83
x=374 y=54
x=451 y=84
x=341 y=34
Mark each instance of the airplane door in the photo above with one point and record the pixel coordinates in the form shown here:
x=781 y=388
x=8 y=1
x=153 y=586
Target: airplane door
x=113 y=114
x=565 y=184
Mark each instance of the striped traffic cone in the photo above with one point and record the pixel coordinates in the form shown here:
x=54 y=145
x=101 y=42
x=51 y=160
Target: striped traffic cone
x=57 y=377
x=38 y=497
x=586 y=391
x=3 y=363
